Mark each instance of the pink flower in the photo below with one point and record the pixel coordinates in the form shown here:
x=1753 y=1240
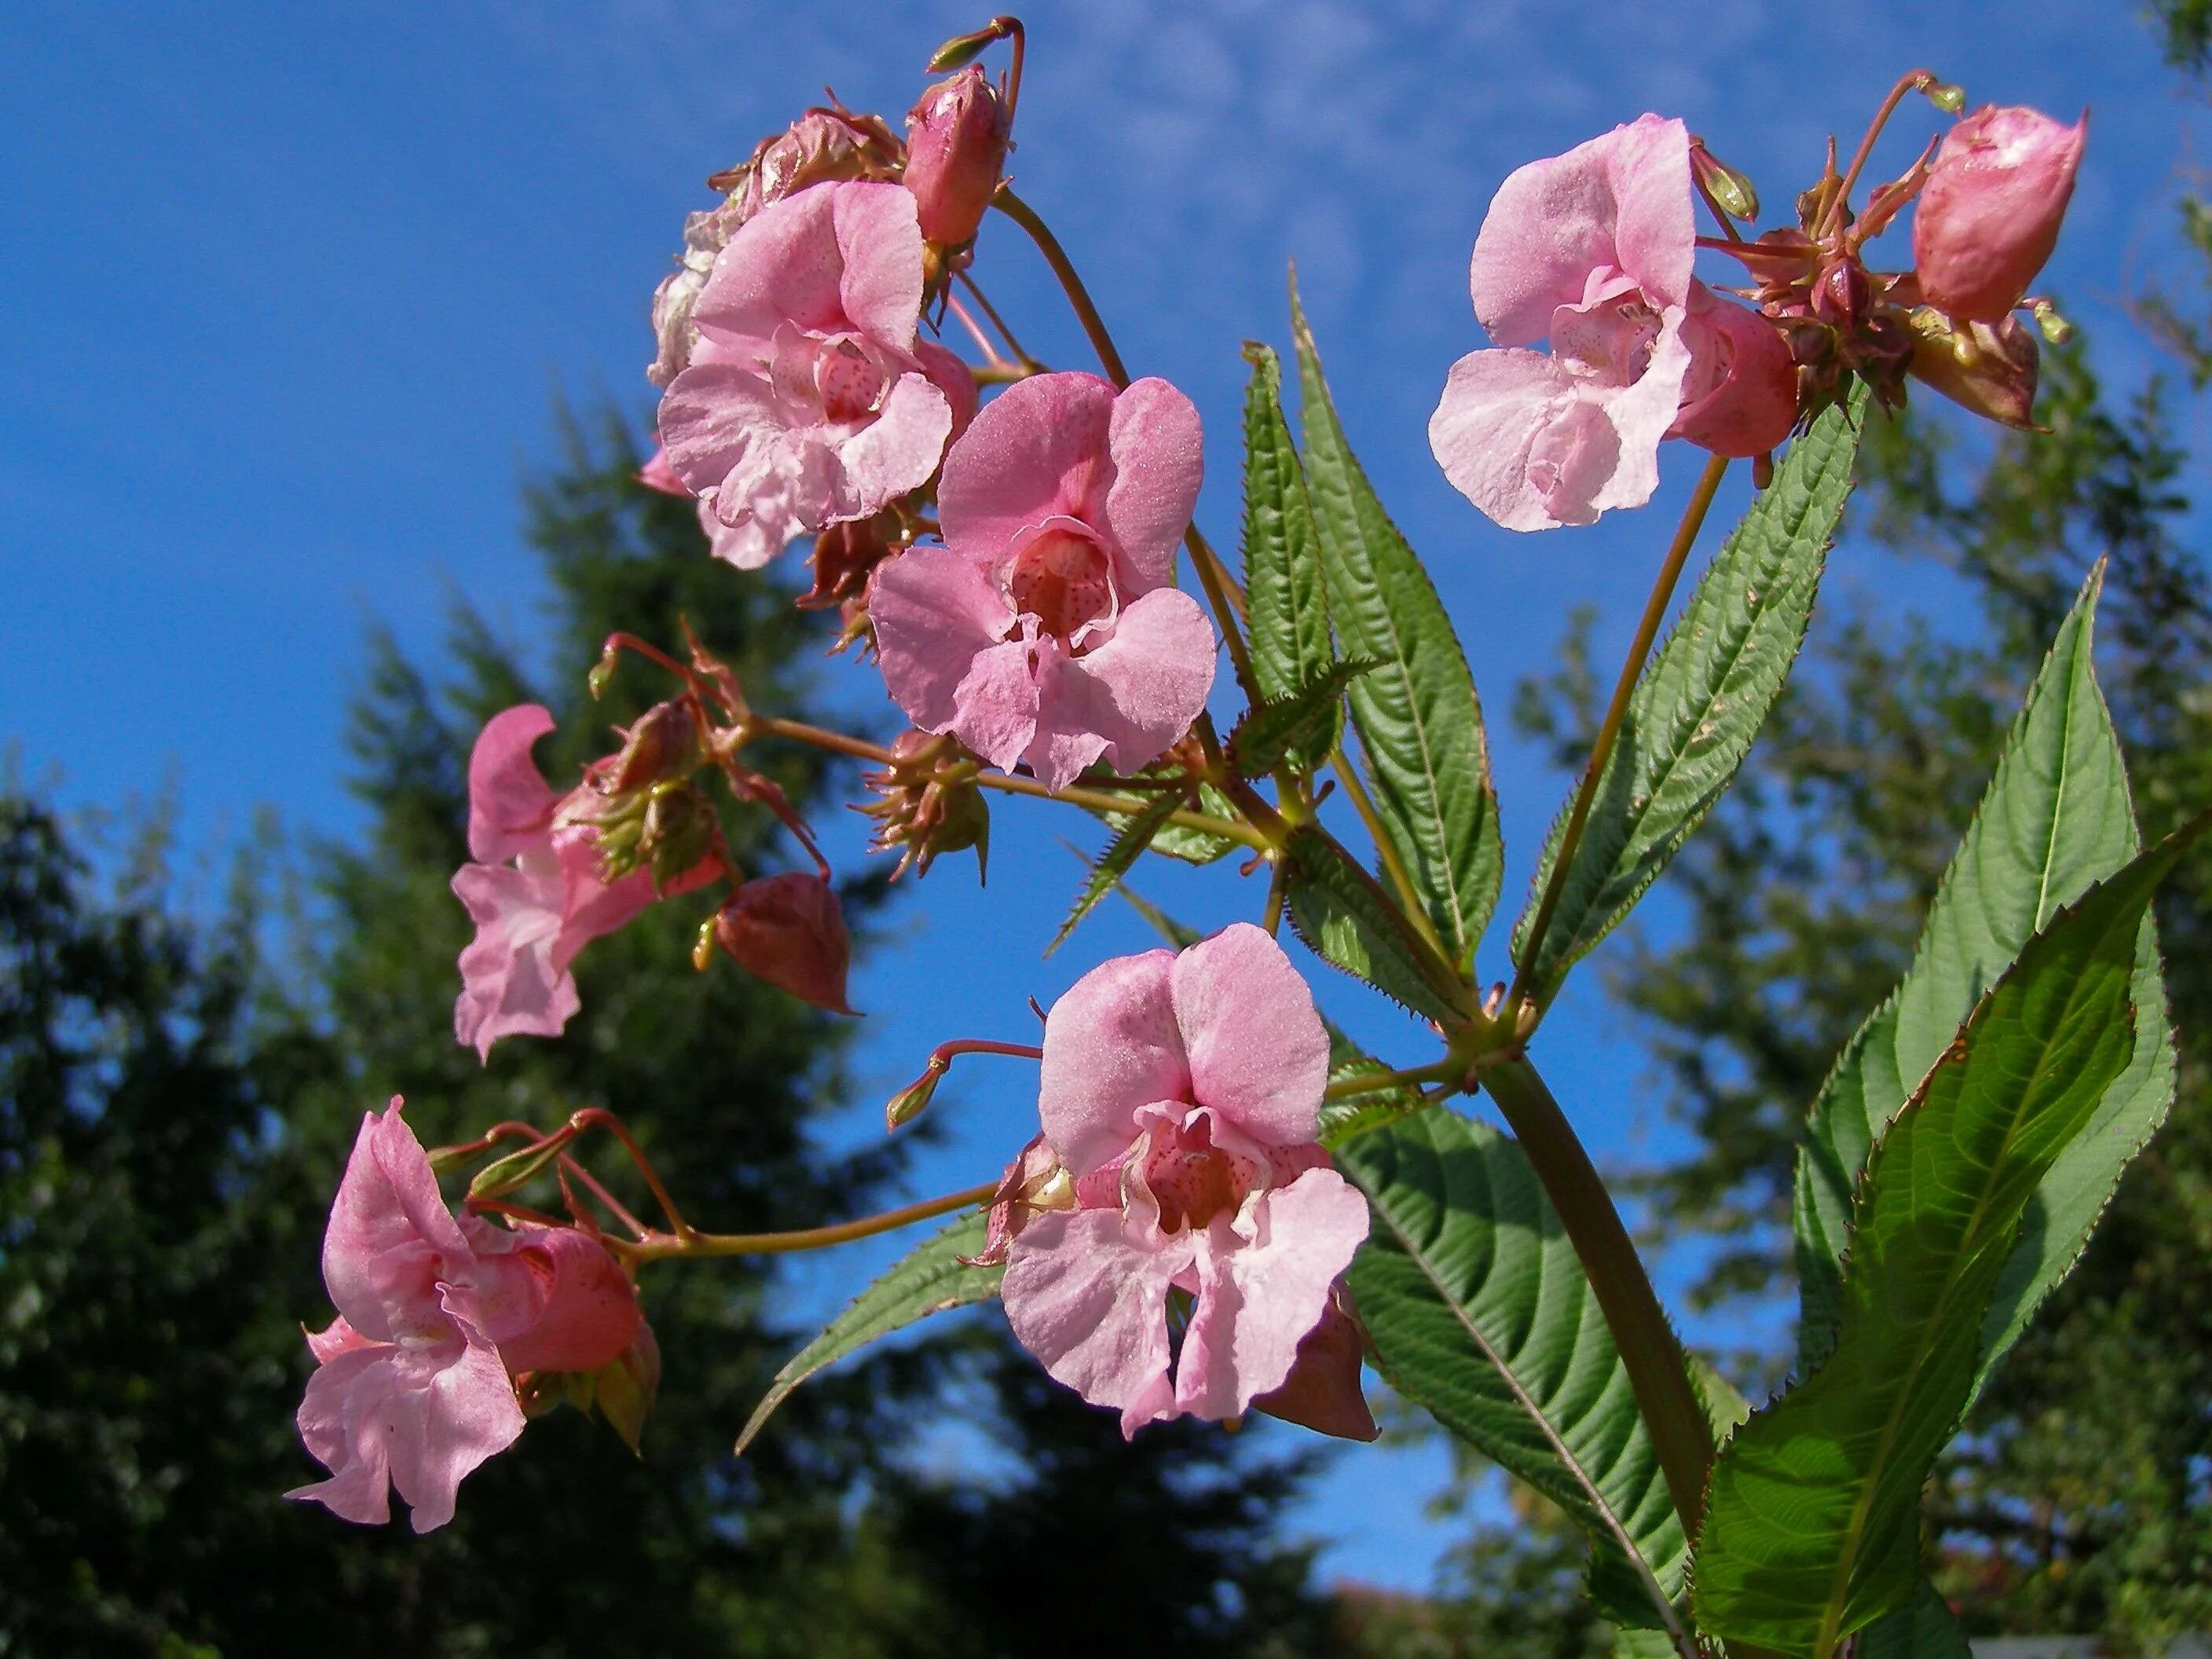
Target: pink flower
x=1740 y=397
x=533 y=914
x=412 y=1385
x=955 y=144
x=1182 y=1092
x=1591 y=250
x=1045 y=629
x=809 y=400
x=1990 y=213
x=723 y=540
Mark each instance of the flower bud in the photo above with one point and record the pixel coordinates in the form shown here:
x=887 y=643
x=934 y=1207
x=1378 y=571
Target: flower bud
x=661 y=744
x=956 y=139
x=1731 y=192
x=909 y=1103
x=1989 y=216
x=1989 y=369
x=844 y=554
x=789 y=929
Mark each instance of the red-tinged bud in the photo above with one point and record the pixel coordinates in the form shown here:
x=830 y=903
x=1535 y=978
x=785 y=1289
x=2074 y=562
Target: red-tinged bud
x=1740 y=397
x=1990 y=213
x=957 y=140
x=1843 y=294
x=790 y=930
x=1322 y=1392
x=1990 y=369
x=662 y=742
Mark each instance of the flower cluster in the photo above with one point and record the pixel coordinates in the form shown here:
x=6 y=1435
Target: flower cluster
x=1177 y=1240
x=1591 y=253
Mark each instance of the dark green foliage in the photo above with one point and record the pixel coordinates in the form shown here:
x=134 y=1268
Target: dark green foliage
x=1066 y=1553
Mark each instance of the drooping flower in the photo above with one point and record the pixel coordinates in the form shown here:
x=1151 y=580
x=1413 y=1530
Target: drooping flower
x=1989 y=215
x=1045 y=629
x=534 y=888
x=1182 y=1093
x=1591 y=250
x=809 y=400
x=955 y=144
x=413 y=1386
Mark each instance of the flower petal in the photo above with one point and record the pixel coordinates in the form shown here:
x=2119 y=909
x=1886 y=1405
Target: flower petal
x=879 y=239
x=510 y=802
x=1111 y=1047
x=940 y=633
x=1620 y=200
x=783 y=265
x=1136 y=693
x=894 y=452
x=1258 y=1052
x=1258 y=1300
x=1086 y=1292
x=391 y=1238
x=1040 y=447
x=1158 y=448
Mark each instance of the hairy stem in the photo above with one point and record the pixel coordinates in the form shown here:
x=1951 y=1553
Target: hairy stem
x=1609 y=731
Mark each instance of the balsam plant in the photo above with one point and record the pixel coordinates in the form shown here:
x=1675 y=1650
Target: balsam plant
x=1228 y=1207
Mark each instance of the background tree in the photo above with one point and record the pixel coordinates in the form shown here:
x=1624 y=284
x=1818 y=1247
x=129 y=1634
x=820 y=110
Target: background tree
x=179 y=1100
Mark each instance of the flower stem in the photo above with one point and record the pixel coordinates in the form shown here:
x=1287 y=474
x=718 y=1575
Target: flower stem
x=1408 y=896
x=663 y=1245
x=1369 y=1083
x=1609 y=731
x=1099 y=801
x=1220 y=586
x=983 y=303
x=1658 y=1373
x=1086 y=312
x=1912 y=80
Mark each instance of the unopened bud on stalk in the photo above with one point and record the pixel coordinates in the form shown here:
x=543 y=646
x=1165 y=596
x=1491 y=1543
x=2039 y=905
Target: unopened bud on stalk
x=956 y=141
x=1731 y=192
x=908 y=1102
x=2056 y=329
x=790 y=930
x=1945 y=96
x=1990 y=213
x=661 y=744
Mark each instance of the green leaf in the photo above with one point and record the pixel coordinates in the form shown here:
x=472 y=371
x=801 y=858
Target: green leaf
x=1480 y=1312
x=1286 y=608
x=2055 y=818
x=1124 y=850
x=1336 y=910
x=929 y=1281
x=1924 y=1628
x=1420 y=724
x=1177 y=841
x=1811 y=1522
x=1701 y=699
x=1299 y=726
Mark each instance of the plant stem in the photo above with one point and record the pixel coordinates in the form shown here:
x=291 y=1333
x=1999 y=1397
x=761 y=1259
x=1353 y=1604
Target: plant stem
x=1912 y=80
x=1368 y=1083
x=1218 y=585
x=983 y=300
x=1609 y=731
x=1024 y=215
x=663 y=1245
x=1658 y=1373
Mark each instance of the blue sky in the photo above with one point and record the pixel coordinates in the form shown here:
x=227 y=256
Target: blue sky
x=287 y=294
